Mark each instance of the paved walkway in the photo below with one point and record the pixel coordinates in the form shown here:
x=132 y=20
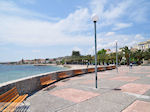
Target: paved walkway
x=125 y=91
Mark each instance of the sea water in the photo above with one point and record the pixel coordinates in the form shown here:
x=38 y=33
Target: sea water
x=13 y=72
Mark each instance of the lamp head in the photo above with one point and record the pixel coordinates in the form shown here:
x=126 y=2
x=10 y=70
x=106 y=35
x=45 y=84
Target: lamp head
x=95 y=18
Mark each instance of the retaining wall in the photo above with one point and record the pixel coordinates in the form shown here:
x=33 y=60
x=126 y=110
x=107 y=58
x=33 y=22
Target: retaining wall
x=32 y=83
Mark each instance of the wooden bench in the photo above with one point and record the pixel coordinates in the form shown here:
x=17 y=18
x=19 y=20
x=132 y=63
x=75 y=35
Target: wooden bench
x=109 y=68
x=100 y=68
x=10 y=100
x=91 y=70
x=78 y=72
x=113 y=67
x=62 y=75
x=46 y=80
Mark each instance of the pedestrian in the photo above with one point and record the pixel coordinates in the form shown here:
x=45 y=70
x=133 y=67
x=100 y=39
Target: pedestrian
x=87 y=64
x=131 y=65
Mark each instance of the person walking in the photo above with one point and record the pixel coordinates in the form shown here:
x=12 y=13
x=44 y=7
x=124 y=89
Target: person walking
x=131 y=65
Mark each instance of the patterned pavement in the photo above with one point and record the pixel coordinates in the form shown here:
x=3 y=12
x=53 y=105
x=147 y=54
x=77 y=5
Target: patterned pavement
x=125 y=91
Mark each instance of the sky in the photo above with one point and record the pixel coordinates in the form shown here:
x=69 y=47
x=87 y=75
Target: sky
x=32 y=29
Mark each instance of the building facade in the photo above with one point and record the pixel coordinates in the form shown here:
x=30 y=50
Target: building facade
x=144 y=45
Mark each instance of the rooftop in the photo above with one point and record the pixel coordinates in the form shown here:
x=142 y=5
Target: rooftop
x=146 y=42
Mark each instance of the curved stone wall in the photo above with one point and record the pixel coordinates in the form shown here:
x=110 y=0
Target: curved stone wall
x=31 y=84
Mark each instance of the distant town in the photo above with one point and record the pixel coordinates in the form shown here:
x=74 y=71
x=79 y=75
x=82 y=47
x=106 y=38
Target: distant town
x=136 y=54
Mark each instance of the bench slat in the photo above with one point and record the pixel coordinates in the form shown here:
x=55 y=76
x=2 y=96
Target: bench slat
x=108 y=68
x=15 y=103
x=7 y=93
x=91 y=70
x=6 y=104
x=100 y=68
x=9 y=96
x=77 y=72
x=46 y=80
x=62 y=75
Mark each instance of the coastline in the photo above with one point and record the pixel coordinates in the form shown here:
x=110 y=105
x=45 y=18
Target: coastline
x=67 y=66
x=34 y=83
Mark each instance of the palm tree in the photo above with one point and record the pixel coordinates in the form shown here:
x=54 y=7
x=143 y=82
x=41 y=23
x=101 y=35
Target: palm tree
x=127 y=52
x=146 y=54
x=138 y=56
x=101 y=56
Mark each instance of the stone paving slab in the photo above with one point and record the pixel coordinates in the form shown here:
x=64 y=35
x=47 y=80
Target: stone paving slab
x=44 y=102
x=138 y=106
x=76 y=78
x=125 y=78
x=117 y=97
x=135 y=88
x=94 y=105
x=143 y=80
x=74 y=95
x=88 y=82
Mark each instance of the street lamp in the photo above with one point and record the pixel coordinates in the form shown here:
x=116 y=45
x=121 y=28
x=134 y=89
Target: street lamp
x=95 y=19
x=129 y=56
x=124 y=57
x=116 y=55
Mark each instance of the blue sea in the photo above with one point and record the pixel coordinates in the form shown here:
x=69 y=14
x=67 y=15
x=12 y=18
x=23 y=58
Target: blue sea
x=13 y=72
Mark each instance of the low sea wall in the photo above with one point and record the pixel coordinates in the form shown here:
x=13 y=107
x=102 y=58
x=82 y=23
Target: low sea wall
x=31 y=84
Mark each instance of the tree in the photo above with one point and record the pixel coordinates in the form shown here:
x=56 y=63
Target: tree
x=89 y=58
x=146 y=54
x=22 y=61
x=120 y=56
x=127 y=52
x=138 y=56
x=112 y=58
x=101 y=56
x=75 y=53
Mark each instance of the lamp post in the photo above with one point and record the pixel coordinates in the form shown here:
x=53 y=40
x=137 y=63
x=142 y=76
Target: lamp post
x=129 y=56
x=95 y=19
x=116 y=55
x=124 y=57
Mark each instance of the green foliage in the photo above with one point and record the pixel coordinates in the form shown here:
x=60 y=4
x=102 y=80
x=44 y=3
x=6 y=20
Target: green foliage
x=63 y=61
x=125 y=56
x=75 y=53
x=101 y=56
x=146 y=54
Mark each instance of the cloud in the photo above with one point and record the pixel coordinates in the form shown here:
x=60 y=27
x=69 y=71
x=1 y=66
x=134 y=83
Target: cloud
x=110 y=33
x=26 y=28
x=123 y=40
x=37 y=33
x=11 y=9
x=76 y=21
x=36 y=51
x=16 y=29
x=139 y=11
x=138 y=36
x=77 y=49
x=115 y=12
x=119 y=26
x=110 y=13
x=28 y=1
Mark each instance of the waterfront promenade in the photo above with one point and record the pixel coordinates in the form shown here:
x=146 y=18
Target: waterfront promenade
x=125 y=91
